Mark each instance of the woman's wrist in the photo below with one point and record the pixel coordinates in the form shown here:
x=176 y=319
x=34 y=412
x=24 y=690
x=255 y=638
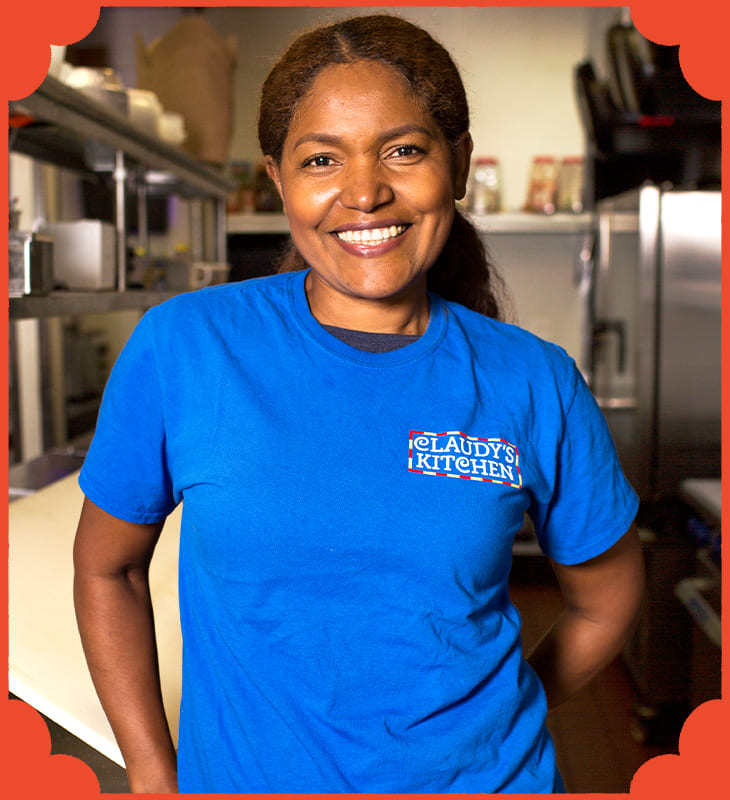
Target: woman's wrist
x=160 y=780
x=153 y=773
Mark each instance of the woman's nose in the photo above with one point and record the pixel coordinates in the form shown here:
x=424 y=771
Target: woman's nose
x=365 y=187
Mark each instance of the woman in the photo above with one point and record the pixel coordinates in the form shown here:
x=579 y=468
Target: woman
x=355 y=450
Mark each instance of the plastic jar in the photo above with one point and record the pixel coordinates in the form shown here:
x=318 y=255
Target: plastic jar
x=542 y=185
x=570 y=185
x=484 y=191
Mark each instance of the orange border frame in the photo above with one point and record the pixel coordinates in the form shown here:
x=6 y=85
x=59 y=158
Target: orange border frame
x=26 y=768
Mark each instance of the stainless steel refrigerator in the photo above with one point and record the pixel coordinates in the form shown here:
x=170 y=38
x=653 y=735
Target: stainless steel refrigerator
x=654 y=355
x=655 y=336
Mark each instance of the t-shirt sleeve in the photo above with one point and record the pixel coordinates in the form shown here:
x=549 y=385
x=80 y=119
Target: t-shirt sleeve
x=126 y=471
x=591 y=504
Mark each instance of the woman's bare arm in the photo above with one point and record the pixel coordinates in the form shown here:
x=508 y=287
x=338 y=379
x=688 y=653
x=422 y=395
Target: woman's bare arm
x=603 y=598
x=114 y=613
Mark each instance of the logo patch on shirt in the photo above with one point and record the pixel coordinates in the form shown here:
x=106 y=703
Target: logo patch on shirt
x=455 y=455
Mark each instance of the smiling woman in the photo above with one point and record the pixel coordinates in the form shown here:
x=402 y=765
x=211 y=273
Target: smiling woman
x=368 y=182
x=355 y=442
x=424 y=77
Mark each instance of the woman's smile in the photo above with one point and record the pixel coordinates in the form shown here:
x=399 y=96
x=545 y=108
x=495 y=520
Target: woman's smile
x=371 y=242
x=371 y=236
x=368 y=182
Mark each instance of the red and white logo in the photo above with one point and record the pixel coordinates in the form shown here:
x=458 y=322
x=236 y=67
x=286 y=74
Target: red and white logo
x=455 y=455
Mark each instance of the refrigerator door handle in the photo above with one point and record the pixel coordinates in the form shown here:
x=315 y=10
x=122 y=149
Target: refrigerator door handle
x=604 y=327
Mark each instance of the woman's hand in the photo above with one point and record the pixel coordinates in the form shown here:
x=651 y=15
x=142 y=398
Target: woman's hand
x=603 y=598
x=114 y=613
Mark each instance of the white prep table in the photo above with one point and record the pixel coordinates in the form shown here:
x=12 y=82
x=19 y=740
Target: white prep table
x=47 y=668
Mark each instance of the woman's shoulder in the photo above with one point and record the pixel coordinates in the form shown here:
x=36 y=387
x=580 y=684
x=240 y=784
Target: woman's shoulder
x=507 y=341
x=224 y=300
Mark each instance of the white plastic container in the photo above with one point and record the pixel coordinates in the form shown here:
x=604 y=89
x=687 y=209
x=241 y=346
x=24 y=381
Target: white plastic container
x=100 y=84
x=172 y=128
x=186 y=274
x=84 y=254
x=145 y=110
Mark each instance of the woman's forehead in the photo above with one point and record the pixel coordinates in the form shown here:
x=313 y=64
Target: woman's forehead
x=362 y=91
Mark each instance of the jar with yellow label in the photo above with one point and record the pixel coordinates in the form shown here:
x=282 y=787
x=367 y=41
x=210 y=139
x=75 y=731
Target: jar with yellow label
x=542 y=185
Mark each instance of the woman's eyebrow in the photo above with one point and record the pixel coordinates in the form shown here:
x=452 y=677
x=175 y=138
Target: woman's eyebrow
x=335 y=141
x=405 y=130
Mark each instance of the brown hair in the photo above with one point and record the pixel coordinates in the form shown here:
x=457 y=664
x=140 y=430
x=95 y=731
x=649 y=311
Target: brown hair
x=462 y=271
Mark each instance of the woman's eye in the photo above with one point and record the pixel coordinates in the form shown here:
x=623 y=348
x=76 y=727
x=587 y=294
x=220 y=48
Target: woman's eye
x=406 y=151
x=318 y=161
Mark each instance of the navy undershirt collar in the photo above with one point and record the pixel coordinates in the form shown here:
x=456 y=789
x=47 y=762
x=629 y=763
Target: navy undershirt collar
x=404 y=353
x=372 y=342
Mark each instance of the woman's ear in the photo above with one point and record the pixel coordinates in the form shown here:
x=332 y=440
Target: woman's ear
x=462 y=160
x=272 y=170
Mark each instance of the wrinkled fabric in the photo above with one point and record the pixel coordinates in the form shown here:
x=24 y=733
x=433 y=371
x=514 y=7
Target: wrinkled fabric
x=347 y=527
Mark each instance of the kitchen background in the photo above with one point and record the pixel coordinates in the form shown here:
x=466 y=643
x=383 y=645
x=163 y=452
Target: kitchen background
x=541 y=82
x=518 y=66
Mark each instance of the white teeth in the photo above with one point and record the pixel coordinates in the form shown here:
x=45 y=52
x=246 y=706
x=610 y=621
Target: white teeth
x=372 y=234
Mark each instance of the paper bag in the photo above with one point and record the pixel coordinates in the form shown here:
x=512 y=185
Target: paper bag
x=191 y=70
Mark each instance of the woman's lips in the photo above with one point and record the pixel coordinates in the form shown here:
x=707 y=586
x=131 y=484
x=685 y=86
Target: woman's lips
x=370 y=242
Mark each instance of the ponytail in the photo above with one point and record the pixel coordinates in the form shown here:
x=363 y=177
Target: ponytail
x=463 y=272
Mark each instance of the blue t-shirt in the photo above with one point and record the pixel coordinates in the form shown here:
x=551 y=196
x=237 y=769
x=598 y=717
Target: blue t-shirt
x=347 y=526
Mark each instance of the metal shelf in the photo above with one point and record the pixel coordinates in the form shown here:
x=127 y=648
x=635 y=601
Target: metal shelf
x=61 y=304
x=66 y=128
x=257 y=223
x=532 y=223
x=65 y=120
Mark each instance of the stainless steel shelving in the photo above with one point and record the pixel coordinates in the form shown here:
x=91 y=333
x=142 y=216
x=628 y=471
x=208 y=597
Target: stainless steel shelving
x=63 y=127
x=66 y=119
x=528 y=223
x=66 y=128
x=62 y=304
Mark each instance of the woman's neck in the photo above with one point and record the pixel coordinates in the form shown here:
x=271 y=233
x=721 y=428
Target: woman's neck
x=408 y=313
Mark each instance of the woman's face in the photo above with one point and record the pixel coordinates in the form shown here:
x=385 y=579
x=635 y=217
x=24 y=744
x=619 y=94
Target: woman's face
x=368 y=182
